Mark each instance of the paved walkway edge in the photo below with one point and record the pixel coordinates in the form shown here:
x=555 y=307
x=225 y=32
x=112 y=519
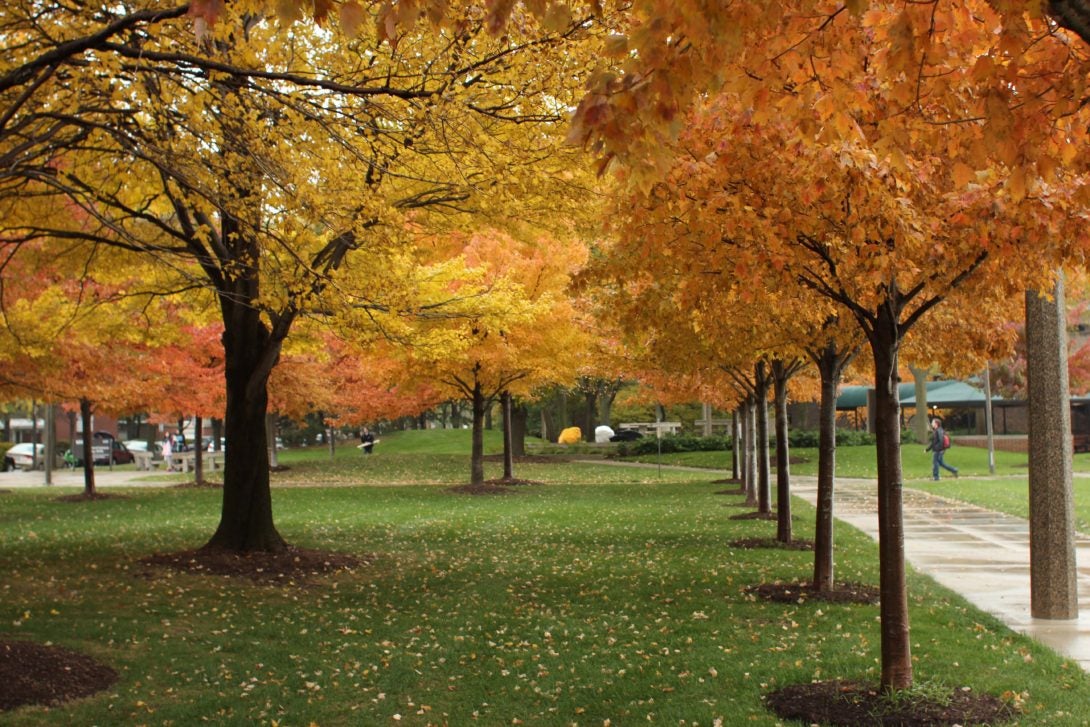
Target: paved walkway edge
x=979 y=554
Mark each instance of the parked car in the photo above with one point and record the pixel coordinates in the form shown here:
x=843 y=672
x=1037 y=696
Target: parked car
x=21 y=456
x=140 y=445
x=104 y=449
x=626 y=435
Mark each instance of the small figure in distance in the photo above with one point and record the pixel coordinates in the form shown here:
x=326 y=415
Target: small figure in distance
x=168 y=450
x=367 y=440
x=937 y=448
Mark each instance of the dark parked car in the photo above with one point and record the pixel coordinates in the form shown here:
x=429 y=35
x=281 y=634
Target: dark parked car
x=105 y=449
x=626 y=435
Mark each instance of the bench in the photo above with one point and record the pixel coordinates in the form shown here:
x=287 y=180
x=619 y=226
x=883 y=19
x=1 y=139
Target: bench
x=656 y=428
x=144 y=460
x=186 y=461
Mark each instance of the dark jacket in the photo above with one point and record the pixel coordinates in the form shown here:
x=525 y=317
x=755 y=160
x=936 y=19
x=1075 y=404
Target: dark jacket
x=938 y=438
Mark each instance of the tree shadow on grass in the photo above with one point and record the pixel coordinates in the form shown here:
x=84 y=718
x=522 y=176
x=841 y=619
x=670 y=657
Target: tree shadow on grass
x=90 y=497
x=753 y=515
x=485 y=488
x=291 y=565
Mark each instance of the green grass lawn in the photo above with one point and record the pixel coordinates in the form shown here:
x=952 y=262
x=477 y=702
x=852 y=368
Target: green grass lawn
x=606 y=594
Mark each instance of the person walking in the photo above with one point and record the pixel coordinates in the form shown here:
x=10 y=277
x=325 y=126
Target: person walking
x=168 y=450
x=367 y=440
x=938 y=446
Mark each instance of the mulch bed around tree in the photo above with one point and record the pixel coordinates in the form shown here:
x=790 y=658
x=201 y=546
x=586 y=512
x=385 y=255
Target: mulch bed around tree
x=482 y=489
x=793 y=593
x=37 y=674
x=757 y=543
x=84 y=497
x=854 y=703
x=289 y=565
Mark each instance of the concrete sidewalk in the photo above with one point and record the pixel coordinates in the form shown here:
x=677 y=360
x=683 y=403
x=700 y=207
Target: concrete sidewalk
x=104 y=477
x=982 y=555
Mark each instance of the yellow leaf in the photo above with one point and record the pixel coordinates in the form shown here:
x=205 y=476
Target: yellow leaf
x=963 y=174
x=856 y=7
x=1016 y=185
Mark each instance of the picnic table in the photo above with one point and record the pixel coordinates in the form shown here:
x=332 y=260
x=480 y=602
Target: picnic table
x=144 y=460
x=186 y=461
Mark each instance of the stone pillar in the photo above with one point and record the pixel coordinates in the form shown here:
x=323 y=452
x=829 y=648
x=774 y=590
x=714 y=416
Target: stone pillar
x=1053 y=587
x=921 y=425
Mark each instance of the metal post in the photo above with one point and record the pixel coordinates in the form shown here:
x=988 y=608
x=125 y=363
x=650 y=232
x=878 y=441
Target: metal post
x=990 y=429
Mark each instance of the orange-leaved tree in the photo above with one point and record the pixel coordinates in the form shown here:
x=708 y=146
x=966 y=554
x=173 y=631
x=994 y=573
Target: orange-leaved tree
x=830 y=171
x=522 y=331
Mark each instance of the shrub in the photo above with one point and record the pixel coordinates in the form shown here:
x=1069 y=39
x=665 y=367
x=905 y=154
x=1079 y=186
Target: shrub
x=674 y=443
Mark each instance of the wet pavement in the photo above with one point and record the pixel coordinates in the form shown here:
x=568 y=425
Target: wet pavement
x=982 y=555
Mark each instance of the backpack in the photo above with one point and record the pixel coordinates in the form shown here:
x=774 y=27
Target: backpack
x=945 y=440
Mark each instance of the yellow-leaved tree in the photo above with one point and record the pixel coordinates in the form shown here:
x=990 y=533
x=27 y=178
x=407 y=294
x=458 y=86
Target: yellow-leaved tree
x=523 y=334
x=288 y=174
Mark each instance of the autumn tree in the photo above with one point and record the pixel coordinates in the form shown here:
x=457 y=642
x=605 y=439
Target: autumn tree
x=77 y=329
x=526 y=336
x=853 y=195
x=292 y=178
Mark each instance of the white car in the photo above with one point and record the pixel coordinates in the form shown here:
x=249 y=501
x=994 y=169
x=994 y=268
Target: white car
x=140 y=445
x=21 y=456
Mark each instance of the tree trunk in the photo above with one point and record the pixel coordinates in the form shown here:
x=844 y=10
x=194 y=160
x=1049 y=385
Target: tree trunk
x=605 y=403
x=198 y=450
x=246 y=520
x=508 y=438
x=735 y=445
x=751 y=451
x=764 y=466
x=519 y=415
x=476 y=461
x=88 y=454
x=896 y=647
x=50 y=442
x=780 y=374
x=271 y=452
x=830 y=366
x=181 y=432
x=590 y=415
